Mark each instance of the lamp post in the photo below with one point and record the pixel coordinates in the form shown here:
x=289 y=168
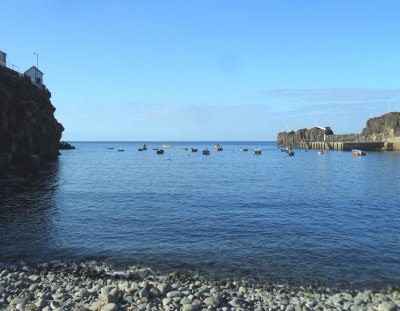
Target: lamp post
x=37 y=60
x=37 y=66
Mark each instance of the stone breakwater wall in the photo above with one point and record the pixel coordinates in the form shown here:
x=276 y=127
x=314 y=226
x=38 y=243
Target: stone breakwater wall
x=384 y=130
x=27 y=123
x=80 y=287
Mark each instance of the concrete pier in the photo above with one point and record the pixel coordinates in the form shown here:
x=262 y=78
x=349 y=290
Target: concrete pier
x=346 y=146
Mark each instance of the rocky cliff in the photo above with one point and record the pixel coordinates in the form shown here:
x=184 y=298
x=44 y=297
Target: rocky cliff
x=385 y=128
x=291 y=139
x=387 y=124
x=27 y=123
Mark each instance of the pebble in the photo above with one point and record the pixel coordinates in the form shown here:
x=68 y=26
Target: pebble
x=70 y=288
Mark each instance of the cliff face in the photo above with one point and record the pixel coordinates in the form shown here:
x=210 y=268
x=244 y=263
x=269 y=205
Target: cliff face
x=387 y=124
x=385 y=128
x=27 y=123
x=291 y=139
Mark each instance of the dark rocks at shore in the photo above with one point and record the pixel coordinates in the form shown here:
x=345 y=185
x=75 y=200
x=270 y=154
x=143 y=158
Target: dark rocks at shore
x=27 y=123
x=63 y=145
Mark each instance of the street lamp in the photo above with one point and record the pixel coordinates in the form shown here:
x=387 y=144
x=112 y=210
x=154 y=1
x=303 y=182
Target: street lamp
x=37 y=60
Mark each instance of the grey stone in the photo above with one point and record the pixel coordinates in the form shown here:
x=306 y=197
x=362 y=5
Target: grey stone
x=386 y=306
x=173 y=294
x=235 y=302
x=167 y=301
x=84 y=292
x=110 y=307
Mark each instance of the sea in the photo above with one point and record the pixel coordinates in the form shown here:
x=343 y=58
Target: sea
x=331 y=219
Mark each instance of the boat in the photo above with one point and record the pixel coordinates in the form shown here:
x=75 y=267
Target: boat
x=155 y=148
x=244 y=149
x=160 y=151
x=206 y=151
x=194 y=149
x=121 y=150
x=358 y=153
x=110 y=148
x=144 y=148
x=218 y=147
x=167 y=146
x=257 y=151
x=140 y=149
x=321 y=152
x=290 y=153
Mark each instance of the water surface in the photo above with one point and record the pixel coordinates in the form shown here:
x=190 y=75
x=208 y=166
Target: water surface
x=309 y=218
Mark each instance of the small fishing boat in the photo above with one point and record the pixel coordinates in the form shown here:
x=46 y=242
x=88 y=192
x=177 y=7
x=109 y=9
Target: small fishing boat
x=160 y=151
x=155 y=148
x=320 y=152
x=218 y=147
x=257 y=151
x=244 y=149
x=206 y=151
x=194 y=149
x=110 y=148
x=167 y=146
x=140 y=149
x=358 y=153
x=121 y=150
x=144 y=148
x=290 y=153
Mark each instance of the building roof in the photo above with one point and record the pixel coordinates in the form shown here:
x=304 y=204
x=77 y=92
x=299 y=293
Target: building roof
x=33 y=67
x=3 y=52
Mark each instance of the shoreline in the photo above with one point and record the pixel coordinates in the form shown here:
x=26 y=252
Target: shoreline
x=95 y=286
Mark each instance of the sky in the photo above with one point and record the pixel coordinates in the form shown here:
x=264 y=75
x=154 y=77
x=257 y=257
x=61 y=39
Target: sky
x=222 y=70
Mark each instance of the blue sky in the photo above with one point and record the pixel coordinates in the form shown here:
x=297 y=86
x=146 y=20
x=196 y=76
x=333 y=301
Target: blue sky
x=208 y=70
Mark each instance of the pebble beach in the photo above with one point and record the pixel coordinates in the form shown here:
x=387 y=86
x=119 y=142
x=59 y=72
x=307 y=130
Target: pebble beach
x=97 y=287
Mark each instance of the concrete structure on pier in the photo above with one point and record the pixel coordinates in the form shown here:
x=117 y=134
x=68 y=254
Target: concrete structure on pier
x=346 y=146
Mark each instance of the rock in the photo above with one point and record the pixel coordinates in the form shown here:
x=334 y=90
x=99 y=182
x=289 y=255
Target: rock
x=83 y=292
x=235 y=302
x=173 y=294
x=164 y=288
x=41 y=303
x=19 y=301
x=386 y=306
x=110 y=307
x=63 y=145
x=189 y=307
x=363 y=296
x=143 y=293
x=27 y=119
x=167 y=301
x=185 y=301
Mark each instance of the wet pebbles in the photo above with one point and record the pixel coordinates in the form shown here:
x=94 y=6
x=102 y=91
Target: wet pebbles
x=97 y=288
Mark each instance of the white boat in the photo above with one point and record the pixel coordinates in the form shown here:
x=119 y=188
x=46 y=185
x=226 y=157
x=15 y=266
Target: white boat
x=257 y=150
x=218 y=147
x=167 y=146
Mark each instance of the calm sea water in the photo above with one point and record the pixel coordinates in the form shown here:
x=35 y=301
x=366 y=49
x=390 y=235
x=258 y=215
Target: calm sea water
x=309 y=218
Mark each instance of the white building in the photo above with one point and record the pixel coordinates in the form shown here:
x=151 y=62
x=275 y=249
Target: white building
x=3 y=59
x=35 y=74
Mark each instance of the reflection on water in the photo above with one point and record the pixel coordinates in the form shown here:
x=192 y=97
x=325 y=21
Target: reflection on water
x=27 y=209
x=330 y=218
